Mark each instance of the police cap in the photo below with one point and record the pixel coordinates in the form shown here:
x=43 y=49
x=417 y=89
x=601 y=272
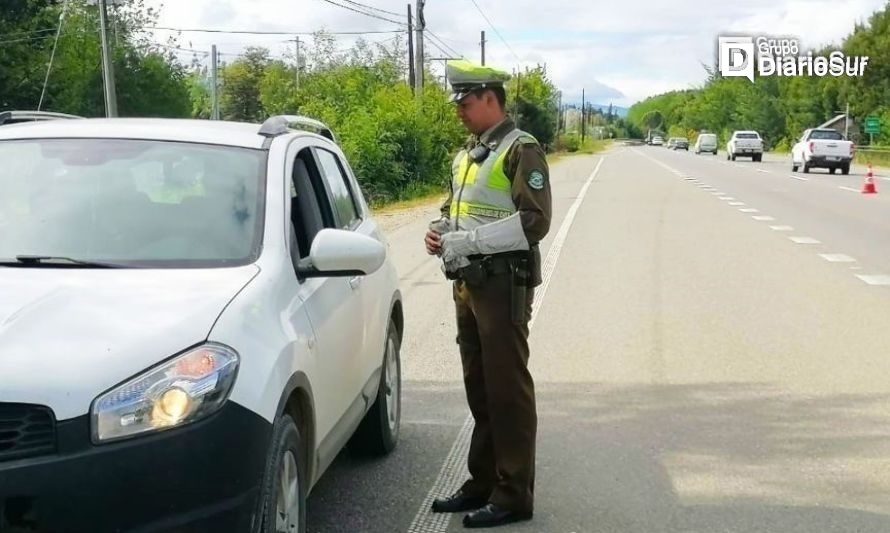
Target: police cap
x=466 y=77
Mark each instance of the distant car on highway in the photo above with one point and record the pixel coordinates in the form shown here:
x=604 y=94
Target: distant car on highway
x=657 y=141
x=706 y=142
x=745 y=144
x=822 y=148
x=681 y=143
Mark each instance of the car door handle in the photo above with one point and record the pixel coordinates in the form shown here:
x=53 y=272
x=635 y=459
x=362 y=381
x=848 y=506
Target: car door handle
x=355 y=282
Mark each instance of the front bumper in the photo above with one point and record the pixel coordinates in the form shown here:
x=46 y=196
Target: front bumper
x=201 y=477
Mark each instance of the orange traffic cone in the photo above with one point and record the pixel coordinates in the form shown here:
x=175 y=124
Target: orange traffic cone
x=868 y=187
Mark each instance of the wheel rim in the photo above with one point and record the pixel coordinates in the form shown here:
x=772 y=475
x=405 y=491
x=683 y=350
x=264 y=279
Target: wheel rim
x=393 y=384
x=287 y=512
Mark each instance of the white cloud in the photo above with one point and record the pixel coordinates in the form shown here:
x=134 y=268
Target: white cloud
x=620 y=53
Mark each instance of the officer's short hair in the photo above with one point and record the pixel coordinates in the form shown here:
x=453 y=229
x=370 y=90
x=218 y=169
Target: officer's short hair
x=499 y=92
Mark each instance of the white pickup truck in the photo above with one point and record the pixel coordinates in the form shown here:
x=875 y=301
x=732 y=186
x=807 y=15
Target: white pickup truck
x=822 y=148
x=745 y=144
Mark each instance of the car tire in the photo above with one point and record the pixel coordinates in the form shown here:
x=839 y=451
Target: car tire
x=283 y=492
x=832 y=170
x=733 y=157
x=378 y=432
x=845 y=170
x=806 y=167
x=793 y=166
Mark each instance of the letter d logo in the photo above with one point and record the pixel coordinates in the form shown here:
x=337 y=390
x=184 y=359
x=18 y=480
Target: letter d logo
x=736 y=57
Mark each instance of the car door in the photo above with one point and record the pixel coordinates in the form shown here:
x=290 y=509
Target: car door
x=333 y=305
x=351 y=214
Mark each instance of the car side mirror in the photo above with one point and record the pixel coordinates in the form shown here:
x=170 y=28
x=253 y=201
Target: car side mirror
x=341 y=253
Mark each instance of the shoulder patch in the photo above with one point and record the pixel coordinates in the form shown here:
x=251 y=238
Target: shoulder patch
x=536 y=180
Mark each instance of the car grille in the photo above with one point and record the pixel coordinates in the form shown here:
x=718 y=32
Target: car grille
x=26 y=431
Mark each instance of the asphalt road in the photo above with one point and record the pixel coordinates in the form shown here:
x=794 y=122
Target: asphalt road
x=697 y=370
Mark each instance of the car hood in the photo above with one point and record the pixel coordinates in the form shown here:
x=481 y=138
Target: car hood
x=67 y=335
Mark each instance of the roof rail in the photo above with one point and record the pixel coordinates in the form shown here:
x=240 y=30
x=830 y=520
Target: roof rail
x=28 y=116
x=281 y=124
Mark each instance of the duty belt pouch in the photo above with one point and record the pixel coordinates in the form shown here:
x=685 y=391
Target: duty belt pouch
x=519 y=282
x=474 y=274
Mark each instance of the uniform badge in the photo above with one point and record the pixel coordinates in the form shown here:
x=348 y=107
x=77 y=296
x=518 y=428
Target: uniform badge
x=536 y=180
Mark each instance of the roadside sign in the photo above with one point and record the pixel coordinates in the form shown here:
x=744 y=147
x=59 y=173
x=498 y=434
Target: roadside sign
x=872 y=125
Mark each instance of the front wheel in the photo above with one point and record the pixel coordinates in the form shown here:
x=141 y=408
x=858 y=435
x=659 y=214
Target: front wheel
x=283 y=493
x=845 y=170
x=378 y=432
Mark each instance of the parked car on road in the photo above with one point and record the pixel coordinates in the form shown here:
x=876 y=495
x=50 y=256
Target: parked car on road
x=681 y=143
x=822 y=148
x=196 y=317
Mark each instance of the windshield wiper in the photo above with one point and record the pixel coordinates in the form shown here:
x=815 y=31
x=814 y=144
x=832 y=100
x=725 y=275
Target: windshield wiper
x=54 y=261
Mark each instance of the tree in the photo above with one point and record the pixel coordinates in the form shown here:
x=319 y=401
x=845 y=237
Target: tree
x=240 y=99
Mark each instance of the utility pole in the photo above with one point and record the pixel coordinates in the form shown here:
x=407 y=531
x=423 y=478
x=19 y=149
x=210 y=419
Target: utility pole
x=214 y=85
x=847 y=123
x=559 y=114
x=583 y=120
x=107 y=66
x=411 y=76
x=297 y=70
x=419 y=67
x=482 y=43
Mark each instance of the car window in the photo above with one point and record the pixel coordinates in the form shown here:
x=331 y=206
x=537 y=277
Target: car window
x=747 y=136
x=310 y=209
x=132 y=202
x=342 y=199
x=827 y=136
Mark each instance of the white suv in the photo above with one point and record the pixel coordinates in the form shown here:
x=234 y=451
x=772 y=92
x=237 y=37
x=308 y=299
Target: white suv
x=195 y=318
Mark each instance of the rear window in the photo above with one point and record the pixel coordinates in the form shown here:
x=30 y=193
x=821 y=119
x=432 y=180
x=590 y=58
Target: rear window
x=827 y=135
x=747 y=136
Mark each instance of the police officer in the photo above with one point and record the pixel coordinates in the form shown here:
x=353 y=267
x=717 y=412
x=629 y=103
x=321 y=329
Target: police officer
x=498 y=211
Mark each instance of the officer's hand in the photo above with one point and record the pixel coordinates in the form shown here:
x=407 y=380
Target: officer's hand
x=433 y=243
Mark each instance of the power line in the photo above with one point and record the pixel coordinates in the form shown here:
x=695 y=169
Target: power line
x=372 y=8
x=32 y=32
x=449 y=50
x=365 y=13
x=52 y=56
x=501 y=37
x=259 y=32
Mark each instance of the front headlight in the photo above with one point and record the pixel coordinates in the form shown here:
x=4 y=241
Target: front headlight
x=182 y=390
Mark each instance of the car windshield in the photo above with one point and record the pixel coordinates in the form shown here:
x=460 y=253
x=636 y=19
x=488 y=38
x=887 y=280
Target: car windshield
x=826 y=135
x=747 y=136
x=131 y=202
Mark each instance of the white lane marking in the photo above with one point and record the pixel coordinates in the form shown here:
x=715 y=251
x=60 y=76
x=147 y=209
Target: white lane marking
x=730 y=198
x=763 y=218
x=764 y=171
x=851 y=189
x=736 y=203
x=781 y=228
x=453 y=469
x=837 y=258
x=804 y=240
x=874 y=279
x=749 y=210
x=801 y=178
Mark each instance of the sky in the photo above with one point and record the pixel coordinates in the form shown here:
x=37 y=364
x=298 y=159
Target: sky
x=619 y=53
